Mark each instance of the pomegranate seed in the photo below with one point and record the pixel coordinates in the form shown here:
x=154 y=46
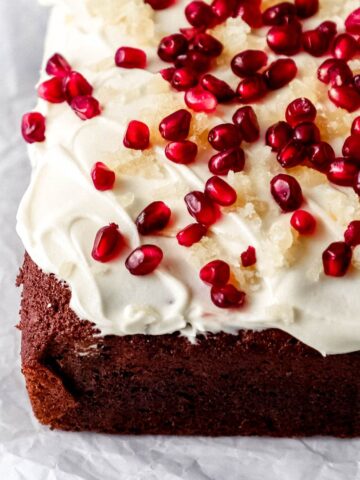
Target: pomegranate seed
x=102 y=177
x=351 y=148
x=345 y=97
x=248 y=62
x=153 y=218
x=316 y=42
x=246 y=120
x=342 y=171
x=356 y=82
x=191 y=234
x=251 y=89
x=299 y=111
x=345 y=46
x=352 y=233
x=286 y=192
x=224 y=136
x=335 y=71
x=57 y=66
x=277 y=14
x=307 y=132
x=85 y=107
x=76 y=85
x=328 y=28
x=280 y=73
x=193 y=60
x=172 y=46
x=129 y=57
x=222 y=91
x=108 y=243
x=303 y=222
x=200 y=100
x=160 y=4
x=201 y=208
x=144 y=260
x=223 y=9
x=229 y=160
x=278 y=135
x=208 y=45
x=336 y=259
x=248 y=258
x=321 y=154
x=220 y=192
x=352 y=23
x=227 y=297
x=183 y=79
x=52 y=90
x=355 y=127
x=167 y=73
x=285 y=39
x=294 y=153
x=33 y=127
x=181 y=152
x=356 y=183
x=199 y=14
x=137 y=136
x=176 y=126
x=306 y=8
x=251 y=14
x=215 y=273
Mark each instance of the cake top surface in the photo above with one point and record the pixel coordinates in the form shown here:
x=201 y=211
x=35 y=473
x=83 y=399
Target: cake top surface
x=96 y=170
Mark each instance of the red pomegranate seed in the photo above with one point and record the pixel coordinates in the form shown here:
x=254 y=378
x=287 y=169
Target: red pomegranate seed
x=286 y=192
x=251 y=89
x=285 y=39
x=307 y=132
x=176 y=126
x=167 y=73
x=356 y=183
x=355 y=127
x=356 y=82
x=160 y=4
x=329 y=28
x=181 y=152
x=85 y=107
x=224 y=136
x=220 y=192
x=277 y=14
x=108 y=244
x=229 y=160
x=351 y=148
x=278 y=135
x=321 y=154
x=201 y=208
x=280 y=73
x=248 y=62
x=251 y=14
x=129 y=57
x=345 y=97
x=172 y=46
x=352 y=233
x=303 y=222
x=248 y=258
x=215 y=273
x=33 y=127
x=223 y=9
x=315 y=42
x=52 y=90
x=352 y=23
x=227 y=297
x=294 y=153
x=191 y=234
x=153 y=218
x=144 y=260
x=137 y=136
x=342 y=171
x=183 y=79
x=335 y=71
x=306 y=8
x=57 y=66
x=246 y=120
x=207 y=44
x=222 y=90
x=76 y=85
x=193 y=60
x=300 y=110
x=336 y=259
x=201 y=100
x=345 y=46
x=102 y=177
x=199 y=14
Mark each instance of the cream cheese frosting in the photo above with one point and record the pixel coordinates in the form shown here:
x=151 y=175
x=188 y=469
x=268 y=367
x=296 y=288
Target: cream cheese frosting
x=61 y=211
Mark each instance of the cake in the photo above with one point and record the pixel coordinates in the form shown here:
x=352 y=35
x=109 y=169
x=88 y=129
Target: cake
x=192 y=224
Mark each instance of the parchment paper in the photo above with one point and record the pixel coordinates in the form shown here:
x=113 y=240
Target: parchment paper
x=32 y=452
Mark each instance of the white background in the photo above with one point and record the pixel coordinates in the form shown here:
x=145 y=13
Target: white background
x=32 y=452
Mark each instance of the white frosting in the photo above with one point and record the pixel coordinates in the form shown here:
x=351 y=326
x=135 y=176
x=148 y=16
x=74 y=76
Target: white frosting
x=62 y=211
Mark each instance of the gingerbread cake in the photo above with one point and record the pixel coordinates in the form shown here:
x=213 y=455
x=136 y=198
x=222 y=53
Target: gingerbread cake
x=192 y=224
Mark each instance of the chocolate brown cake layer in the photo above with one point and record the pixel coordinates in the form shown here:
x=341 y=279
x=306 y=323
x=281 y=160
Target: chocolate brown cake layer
x=253 y=383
